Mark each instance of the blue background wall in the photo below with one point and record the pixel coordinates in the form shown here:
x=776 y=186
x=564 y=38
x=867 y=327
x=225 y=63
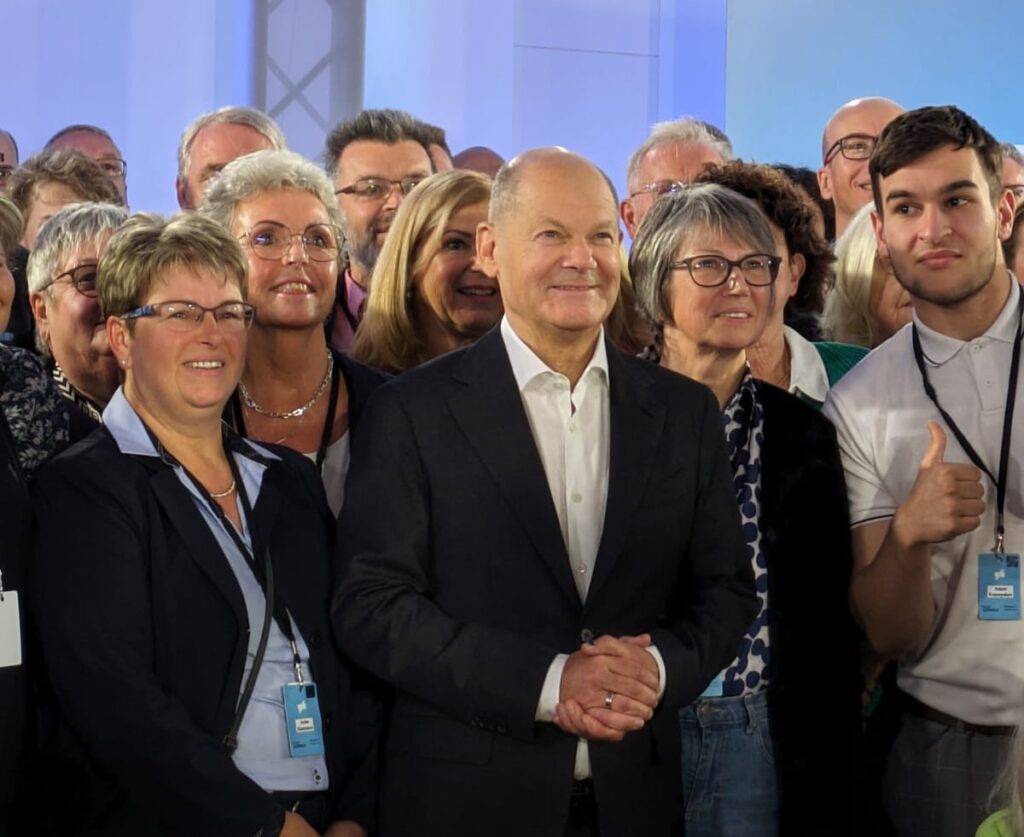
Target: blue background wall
x=589 y=74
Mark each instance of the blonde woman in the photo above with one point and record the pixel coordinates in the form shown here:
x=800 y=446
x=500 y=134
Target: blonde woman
x=428 y=295
x=867 y=305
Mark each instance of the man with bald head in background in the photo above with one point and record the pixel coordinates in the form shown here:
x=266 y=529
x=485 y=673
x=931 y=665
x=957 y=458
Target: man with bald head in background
x=568 y=570
x=846 y=145
x=99 y=146
x=479 y=158
x=673 y=155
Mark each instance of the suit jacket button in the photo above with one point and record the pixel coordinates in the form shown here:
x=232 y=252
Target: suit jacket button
x=328 y=720
x=501 y=728
x=586 y=635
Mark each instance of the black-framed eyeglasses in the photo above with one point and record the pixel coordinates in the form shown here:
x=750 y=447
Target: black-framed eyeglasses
x=660 y=187
x=271 y=240
x=852 y=147
x=82 y=276
x=379 y=188
x=112 y=167
x=758 y=269
x=183 y=315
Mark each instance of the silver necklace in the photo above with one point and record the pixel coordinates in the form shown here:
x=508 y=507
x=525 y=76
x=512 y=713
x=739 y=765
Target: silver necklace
x=298 y=411
x=220 y=495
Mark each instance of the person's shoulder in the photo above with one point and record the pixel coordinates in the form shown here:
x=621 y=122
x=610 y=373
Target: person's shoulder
x=788 y=417
x=661 y=380
x=21 y=365
x=886 y=360
x=359 y=374
x=93 y=464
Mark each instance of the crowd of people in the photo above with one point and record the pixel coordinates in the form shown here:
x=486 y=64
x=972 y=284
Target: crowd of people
x=400 y=493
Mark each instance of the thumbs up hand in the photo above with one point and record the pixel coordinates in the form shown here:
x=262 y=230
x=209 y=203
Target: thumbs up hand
x=946 y=499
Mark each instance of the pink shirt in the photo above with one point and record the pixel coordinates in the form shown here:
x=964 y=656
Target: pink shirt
x=343 y=333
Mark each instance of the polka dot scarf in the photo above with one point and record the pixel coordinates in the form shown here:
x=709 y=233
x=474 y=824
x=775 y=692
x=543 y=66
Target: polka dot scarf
x=744 y=434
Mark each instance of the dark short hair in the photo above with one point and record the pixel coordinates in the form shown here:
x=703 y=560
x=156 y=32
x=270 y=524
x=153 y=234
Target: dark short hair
x=783 y=205
x=917 y=133
x=807 y=179
x=436 y=136
x=384 y=125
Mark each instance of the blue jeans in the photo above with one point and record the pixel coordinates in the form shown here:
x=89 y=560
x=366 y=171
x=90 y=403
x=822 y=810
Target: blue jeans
x=729 y=782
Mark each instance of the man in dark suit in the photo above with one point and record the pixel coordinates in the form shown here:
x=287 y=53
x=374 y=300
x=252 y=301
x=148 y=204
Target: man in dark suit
x=540 y=546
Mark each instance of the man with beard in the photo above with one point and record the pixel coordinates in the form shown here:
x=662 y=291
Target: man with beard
x=929 y=425
x=375 y=159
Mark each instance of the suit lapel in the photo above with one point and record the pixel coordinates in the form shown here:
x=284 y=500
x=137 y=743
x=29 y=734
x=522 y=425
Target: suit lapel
x=636 y=422
x=189 y=525
x=489 y=410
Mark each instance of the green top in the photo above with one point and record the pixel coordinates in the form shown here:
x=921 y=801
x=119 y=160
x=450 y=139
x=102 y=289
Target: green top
x=998 y=825
x=839 y=358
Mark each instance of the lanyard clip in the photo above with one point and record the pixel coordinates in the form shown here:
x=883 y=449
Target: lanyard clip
x=298 y=662
x=999 y=548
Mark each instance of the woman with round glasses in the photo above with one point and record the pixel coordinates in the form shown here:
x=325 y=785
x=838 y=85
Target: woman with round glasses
x=182 y=573
x=428 y=295
x=295 y=390
x=70 y=332
x=768 y=748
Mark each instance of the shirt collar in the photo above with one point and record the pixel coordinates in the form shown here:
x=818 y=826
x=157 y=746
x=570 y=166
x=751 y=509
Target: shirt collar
x=526 y=366
x=807 y=374
x=124 y=424
x=355 y=294
x=939 y=348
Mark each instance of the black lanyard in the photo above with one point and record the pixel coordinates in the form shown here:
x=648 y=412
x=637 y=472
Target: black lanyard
x=325 y=434
x=264 y=573
x=1011 y=398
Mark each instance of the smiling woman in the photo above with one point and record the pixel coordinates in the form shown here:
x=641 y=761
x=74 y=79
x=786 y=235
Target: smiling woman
x=704 y=263
x=294 y=390
x=428 y=295
x=185 y=633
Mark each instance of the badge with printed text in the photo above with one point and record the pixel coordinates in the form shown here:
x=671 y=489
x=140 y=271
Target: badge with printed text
x=998 y=586
x=10 y=629
x=302 y=718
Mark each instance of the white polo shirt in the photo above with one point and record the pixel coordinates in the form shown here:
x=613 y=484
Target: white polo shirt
x=968 y=668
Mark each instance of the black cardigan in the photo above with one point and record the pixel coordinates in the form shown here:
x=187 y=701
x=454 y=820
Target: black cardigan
x=814 y=698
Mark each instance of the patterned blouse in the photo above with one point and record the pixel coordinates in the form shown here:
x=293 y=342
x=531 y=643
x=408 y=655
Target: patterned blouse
x=33 y=409
x=744 y=435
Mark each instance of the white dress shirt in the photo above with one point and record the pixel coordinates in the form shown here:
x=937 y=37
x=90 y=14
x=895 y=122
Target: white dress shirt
x=570 y=426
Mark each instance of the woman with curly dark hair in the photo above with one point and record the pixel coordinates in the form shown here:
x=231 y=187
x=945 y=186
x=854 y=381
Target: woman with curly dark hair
x=783 y=356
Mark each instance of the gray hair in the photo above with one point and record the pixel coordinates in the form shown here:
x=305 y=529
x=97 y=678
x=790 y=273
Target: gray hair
x=685 y=131
x=1011 y=152
x=228 y=115
x=266 y=171
x=847 y=317
x=675 y=220
x=73 y=227
x=384 y=125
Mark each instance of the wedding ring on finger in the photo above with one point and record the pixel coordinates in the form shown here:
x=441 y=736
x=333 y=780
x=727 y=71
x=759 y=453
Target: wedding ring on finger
x=608 y=698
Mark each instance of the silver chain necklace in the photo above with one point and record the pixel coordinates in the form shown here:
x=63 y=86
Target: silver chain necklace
x=298 y=411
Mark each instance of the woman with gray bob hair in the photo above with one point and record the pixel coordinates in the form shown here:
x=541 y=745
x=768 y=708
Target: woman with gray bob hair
x=704 y=264
x=294 y=390
x=70 y=332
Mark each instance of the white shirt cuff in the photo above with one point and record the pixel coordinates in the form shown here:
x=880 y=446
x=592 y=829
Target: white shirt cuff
x=551 y=690
x=654 y=652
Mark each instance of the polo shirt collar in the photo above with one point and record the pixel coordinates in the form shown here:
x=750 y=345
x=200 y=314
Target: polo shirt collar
x=939 y=348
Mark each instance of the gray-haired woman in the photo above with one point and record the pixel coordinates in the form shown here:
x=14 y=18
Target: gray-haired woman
x=295 y=390
x=769 y=748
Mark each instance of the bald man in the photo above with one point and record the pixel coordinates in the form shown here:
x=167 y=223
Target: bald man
x=568 y=570
x=846 y=146
x=479 y=158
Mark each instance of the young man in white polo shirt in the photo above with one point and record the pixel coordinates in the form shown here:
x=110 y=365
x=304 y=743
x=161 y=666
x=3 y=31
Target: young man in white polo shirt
x=928 y=434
